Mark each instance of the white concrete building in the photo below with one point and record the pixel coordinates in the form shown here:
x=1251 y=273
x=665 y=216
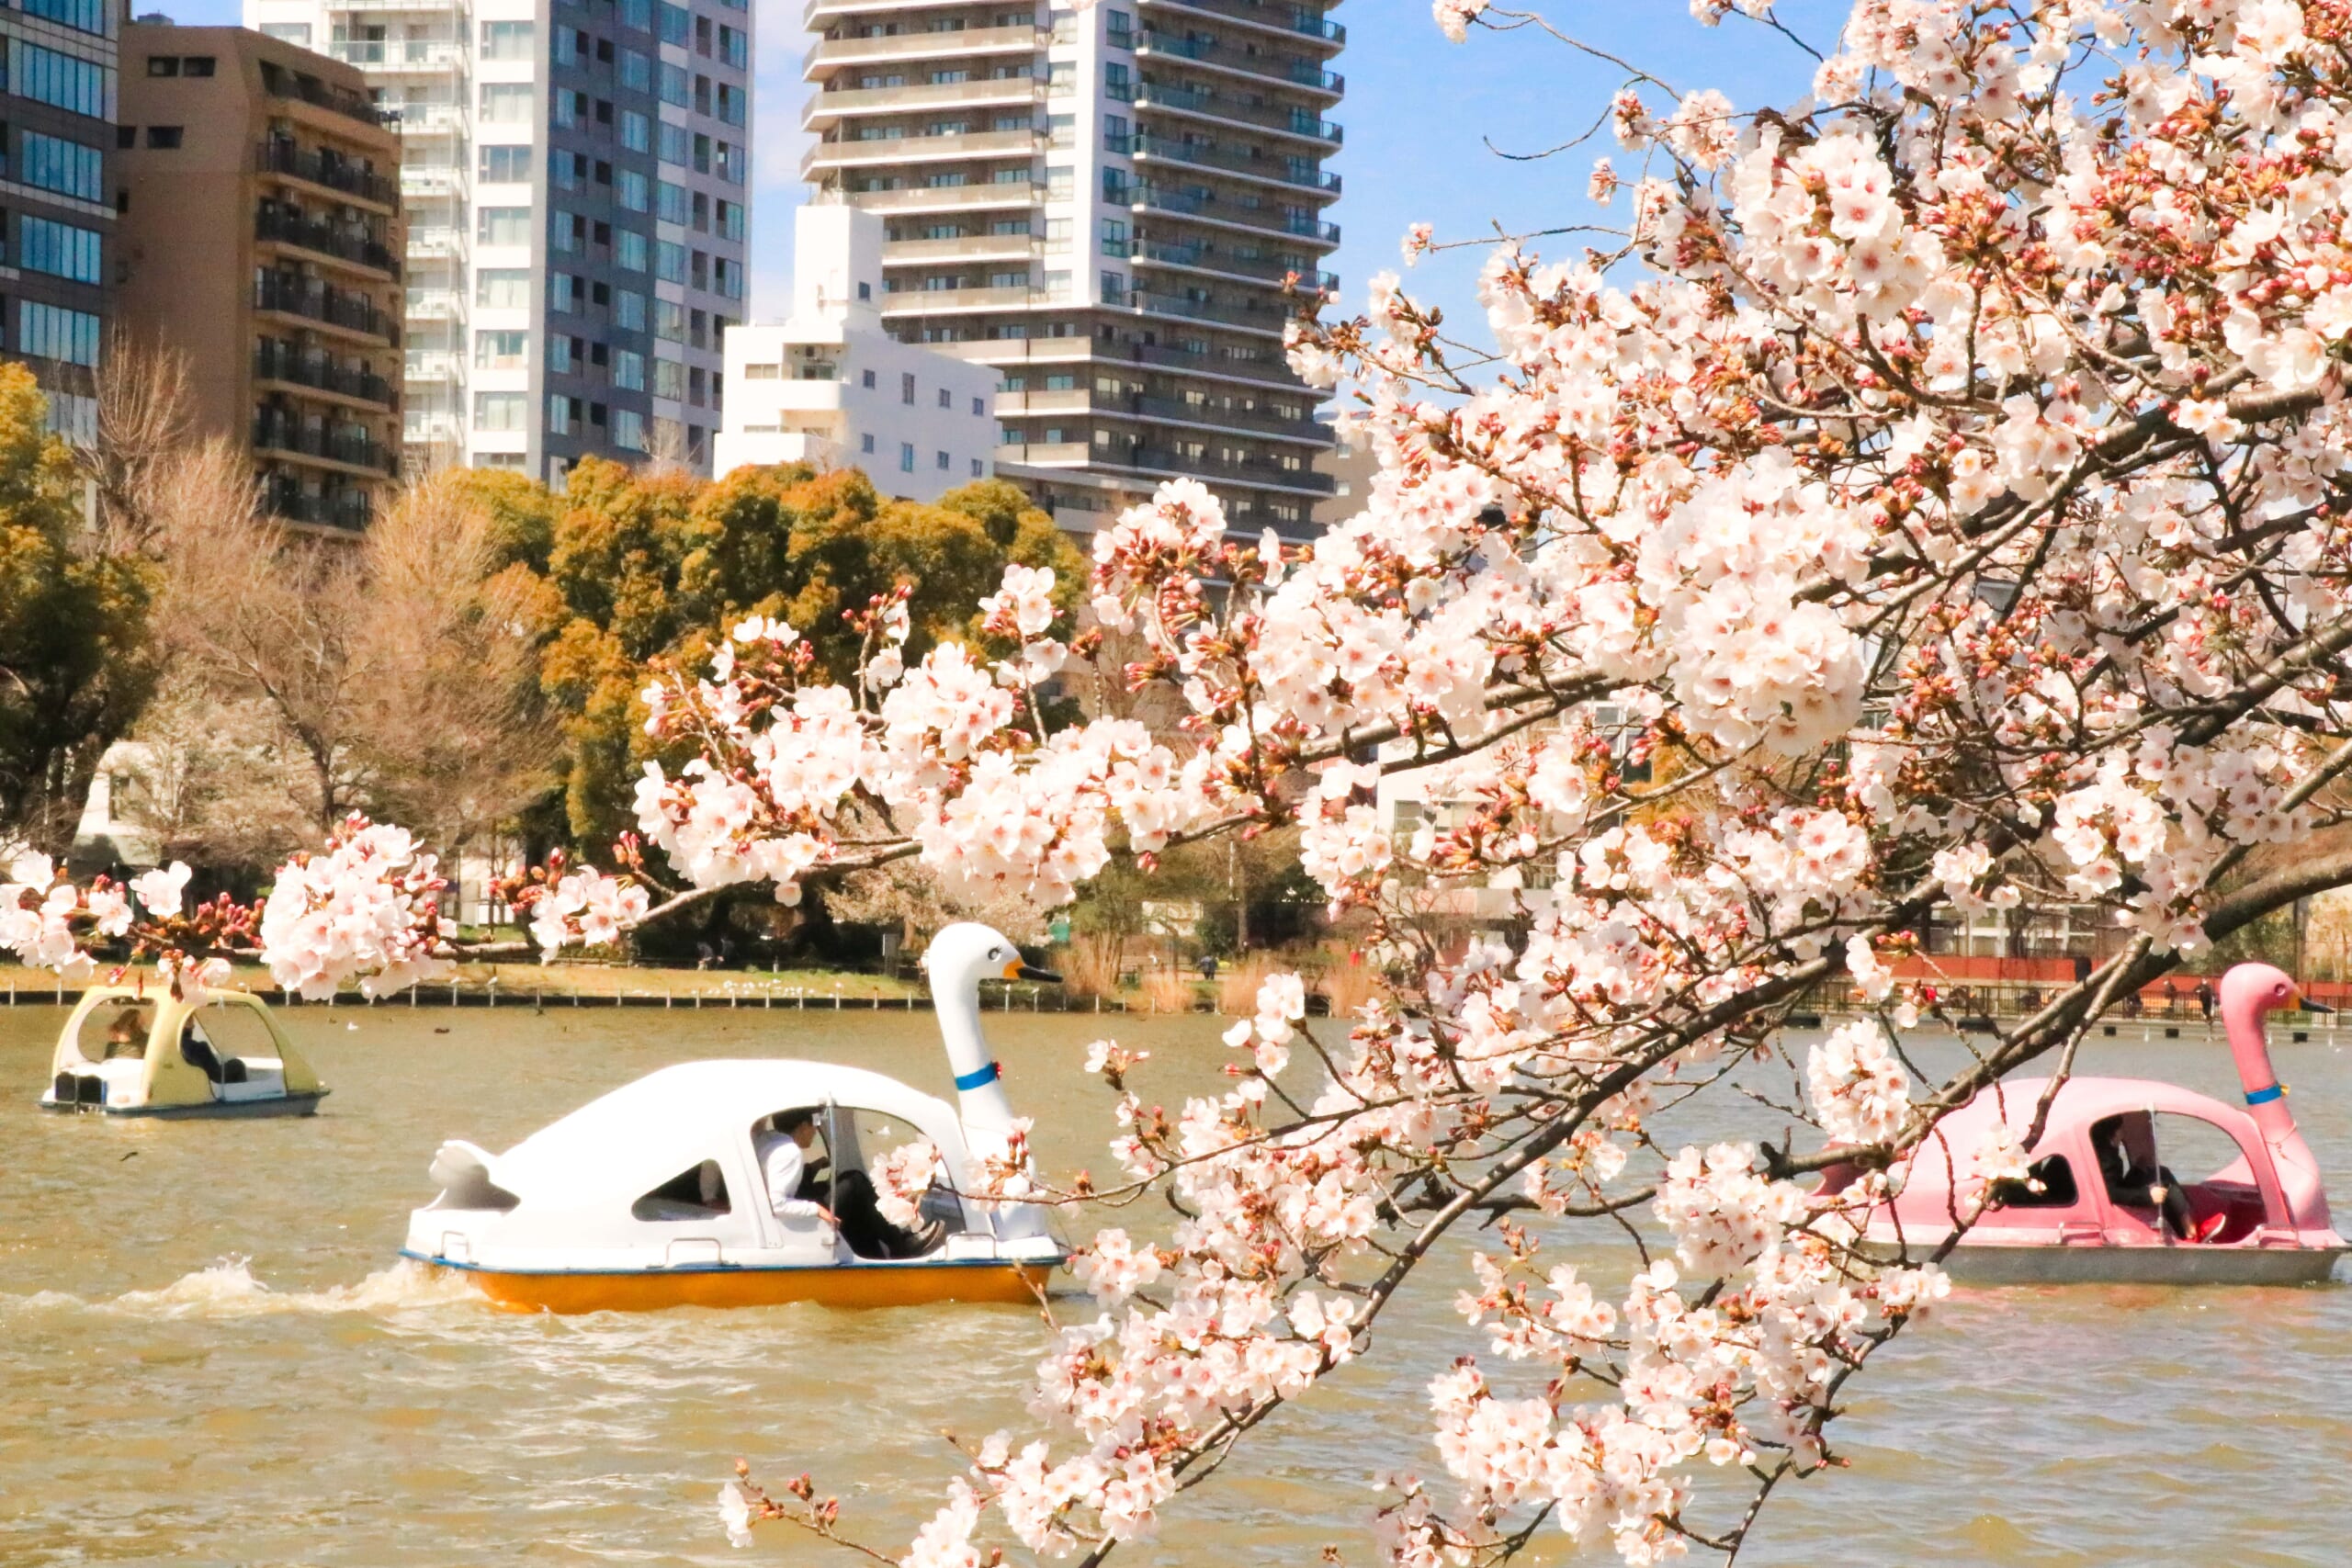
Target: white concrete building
x=830 y=386
x=576 y=177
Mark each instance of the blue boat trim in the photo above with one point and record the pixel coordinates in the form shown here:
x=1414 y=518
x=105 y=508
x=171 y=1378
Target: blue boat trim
x=1054 y=1262
x=2264 y=1096
x=983 y=1076
x=278 y=1106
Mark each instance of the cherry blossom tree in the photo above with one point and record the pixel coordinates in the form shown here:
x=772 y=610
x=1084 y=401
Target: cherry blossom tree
x=1946 y=473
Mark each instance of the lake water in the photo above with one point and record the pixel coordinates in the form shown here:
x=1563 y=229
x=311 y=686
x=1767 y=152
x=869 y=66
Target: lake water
x=208 y=1353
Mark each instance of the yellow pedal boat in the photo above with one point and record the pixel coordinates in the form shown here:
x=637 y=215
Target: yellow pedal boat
x=210 y=1054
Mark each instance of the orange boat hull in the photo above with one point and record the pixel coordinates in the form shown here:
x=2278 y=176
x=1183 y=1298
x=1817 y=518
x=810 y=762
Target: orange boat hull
x=877 y=1285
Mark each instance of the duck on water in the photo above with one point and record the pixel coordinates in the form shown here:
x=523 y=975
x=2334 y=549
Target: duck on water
x=656 y=1194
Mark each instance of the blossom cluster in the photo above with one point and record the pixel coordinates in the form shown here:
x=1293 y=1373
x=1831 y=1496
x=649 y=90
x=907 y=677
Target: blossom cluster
x=366 y=908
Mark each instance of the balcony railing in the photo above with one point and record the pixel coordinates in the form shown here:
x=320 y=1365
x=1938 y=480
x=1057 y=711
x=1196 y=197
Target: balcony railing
x=1200 y=101
x=1188 y=204
x=1206 y=52
x=1304 y=25
x=283 y=362
x=436 y=304
x=962 y=247
x=1209 y=157
x=354 y=448
x=281 y=83
x=348 y=509
x=846 y=51
x=326 y=239
x=1273 y=371
x=1203 y=258
x=395 y=55
x=437 y=119
x=1224 y=418
x=1258 y=318
x=1262 y=473
x=323 y=168
x=850 y=152
x=976 y=93
x=914 y=301
x=321 y=302
x=935 y=198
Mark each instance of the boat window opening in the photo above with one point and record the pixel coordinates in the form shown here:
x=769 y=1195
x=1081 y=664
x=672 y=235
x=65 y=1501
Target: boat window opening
x=878 y=1134
x=236 y=1032
x=2218 y=1182
x=695 y=1193
x=116 y=1029
x=2055 y=1179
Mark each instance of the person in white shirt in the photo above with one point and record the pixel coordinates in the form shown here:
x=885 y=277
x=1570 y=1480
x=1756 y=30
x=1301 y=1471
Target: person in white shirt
x=783 y=1154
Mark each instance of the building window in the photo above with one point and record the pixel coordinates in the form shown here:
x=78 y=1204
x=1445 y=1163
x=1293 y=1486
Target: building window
x=558 y=414
x=164 y=138
x=503 y=287
x=905 y=456
x=628 y=369
x=507 y=225
x=506 y=103
x=83 y=16
x=637 y=71
x=59 y=81
x=68 y=168
x=507 y=41
x=629 y=310
x=505 y=165
x=865 y=379
x=636 y=133
x=61 y=249
x=946 y=399
x=559 y=354
x=629 y=429
x=865 y=444
x=50 y=332
x=295 y=33
x=907 y=391
x=501 y=350
x=499 y=411
x=630 y=251
x=944 y=462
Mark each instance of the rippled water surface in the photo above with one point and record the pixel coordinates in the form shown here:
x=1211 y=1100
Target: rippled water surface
x=209 y=1355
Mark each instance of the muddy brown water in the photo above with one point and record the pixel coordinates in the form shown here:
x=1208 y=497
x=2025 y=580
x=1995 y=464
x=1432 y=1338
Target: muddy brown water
x=208 y=1353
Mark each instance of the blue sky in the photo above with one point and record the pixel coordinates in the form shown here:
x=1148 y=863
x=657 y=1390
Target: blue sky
x=1418 y=112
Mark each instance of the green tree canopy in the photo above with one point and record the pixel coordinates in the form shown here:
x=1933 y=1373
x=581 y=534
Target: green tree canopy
x=644 y=564
x=77 y=659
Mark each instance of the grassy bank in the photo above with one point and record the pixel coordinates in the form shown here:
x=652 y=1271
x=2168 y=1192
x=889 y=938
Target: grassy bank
x=523 y=981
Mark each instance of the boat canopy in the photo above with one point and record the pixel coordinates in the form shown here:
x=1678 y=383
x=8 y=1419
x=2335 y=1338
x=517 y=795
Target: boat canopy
x=612 y=1150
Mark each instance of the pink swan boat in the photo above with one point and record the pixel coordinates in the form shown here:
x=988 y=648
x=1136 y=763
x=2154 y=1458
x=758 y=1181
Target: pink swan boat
x=2104 y=1205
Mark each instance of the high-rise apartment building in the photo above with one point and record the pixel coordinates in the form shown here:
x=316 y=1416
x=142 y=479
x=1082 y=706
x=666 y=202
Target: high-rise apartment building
x=260 y=238
x=577 y=174
x=1105 y=205
x=57 y=110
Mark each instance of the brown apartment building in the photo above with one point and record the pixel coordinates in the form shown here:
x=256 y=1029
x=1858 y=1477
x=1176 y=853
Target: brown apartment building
x=260 y=234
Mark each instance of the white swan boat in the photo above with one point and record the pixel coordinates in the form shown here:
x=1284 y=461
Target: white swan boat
x=654 y=1196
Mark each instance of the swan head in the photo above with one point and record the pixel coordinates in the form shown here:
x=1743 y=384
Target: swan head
x=964 y=954
x=2252 y=990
